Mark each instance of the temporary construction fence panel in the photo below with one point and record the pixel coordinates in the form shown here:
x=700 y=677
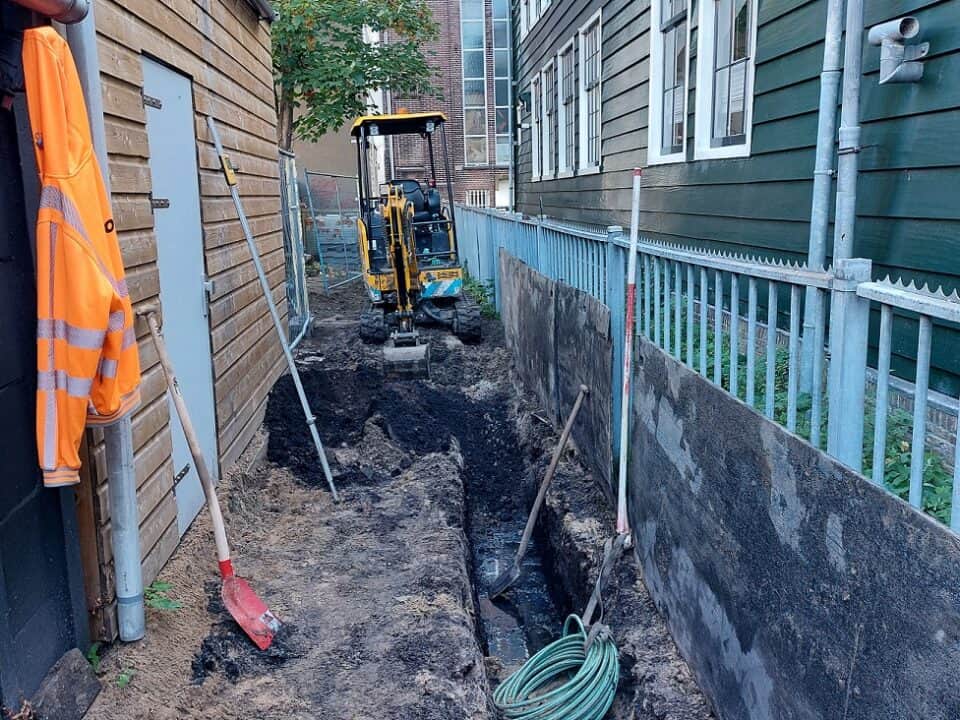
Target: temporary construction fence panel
x=737 y=321
x=332 y=226
x=298 y=299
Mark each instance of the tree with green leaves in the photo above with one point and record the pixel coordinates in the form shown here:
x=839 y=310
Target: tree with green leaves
x=330 y=55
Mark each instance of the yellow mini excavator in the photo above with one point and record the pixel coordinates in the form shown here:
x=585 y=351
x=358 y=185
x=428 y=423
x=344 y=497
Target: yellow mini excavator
x=408 y=246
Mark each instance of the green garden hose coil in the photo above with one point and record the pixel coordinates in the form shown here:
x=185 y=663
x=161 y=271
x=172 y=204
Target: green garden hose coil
x=586 y=694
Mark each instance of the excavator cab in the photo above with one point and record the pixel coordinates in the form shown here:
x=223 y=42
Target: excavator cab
x=408 y=241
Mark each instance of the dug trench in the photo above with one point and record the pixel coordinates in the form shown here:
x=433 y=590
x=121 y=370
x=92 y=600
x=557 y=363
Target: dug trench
x=383 y=595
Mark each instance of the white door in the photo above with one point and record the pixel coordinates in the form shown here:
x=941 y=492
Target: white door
x=168 y=98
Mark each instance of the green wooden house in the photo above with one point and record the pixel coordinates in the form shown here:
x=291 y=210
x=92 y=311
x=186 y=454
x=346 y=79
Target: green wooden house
x=717 y=101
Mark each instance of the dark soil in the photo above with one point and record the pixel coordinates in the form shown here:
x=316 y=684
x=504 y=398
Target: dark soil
x=228 y=651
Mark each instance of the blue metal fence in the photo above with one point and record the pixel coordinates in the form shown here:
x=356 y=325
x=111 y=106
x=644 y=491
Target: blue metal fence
x=737 y=321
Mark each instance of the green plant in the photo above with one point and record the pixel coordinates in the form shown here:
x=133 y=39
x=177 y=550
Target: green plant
x=93 y=657
x=124 y=677
x=326 y=64
x=157 y=596
x=483 y=292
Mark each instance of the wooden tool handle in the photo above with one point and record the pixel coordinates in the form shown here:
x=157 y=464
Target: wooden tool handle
x=216 y=516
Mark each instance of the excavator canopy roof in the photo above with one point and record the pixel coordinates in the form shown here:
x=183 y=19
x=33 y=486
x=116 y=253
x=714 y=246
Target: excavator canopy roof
x=397 y=124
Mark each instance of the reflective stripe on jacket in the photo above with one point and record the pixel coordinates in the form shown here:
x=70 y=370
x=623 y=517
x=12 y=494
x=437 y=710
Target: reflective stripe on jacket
x=88 y=369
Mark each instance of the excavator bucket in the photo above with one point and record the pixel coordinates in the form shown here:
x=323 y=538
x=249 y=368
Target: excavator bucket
x=406 y=362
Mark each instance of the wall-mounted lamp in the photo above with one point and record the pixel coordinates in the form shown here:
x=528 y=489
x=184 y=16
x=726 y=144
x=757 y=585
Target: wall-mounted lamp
x=524 y=99
x=899 y=62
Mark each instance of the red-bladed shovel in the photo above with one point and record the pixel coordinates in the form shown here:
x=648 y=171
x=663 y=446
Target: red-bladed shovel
x=243 y=604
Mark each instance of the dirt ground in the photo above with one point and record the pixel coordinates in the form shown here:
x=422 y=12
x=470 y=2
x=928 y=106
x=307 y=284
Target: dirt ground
x=378 y=594
x=374 y=592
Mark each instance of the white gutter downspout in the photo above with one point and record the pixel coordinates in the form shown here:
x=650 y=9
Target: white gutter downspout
x=849 y=151
x=822 y=181
x=122 y=481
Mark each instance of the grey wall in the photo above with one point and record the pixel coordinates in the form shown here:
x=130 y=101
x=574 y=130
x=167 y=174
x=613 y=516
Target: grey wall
x=793 y=586
x=559 y=338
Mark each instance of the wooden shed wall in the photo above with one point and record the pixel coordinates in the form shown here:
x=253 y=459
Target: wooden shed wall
x=908 y=221
x=225 y=49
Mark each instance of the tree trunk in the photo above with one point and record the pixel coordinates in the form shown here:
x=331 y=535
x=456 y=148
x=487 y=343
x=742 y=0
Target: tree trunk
x=285 y=121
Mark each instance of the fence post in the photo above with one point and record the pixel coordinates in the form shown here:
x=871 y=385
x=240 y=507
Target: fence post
x=616 y=296
x=846 y=381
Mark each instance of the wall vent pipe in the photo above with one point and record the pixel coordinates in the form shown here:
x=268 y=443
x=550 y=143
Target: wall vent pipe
x=64 y=11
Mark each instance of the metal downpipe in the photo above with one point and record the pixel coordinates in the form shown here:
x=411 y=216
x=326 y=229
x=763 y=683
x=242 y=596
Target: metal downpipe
x=849 y=136
x=822 y=183
x=121 y=474
x=64 y=11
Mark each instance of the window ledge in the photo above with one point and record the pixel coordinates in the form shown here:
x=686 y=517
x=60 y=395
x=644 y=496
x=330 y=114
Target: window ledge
x=671 y=159
x=721 y=153
x=591 y=170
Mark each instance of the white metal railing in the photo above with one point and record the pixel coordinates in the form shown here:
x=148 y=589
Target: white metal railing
x=737 y=321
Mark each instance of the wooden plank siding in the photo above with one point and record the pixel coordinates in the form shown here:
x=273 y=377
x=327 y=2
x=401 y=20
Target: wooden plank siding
x=908 y=219
x=223 y=47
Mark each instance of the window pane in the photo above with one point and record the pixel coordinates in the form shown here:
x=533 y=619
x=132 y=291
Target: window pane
x=680 y=53
x=678 y=95
x=501 y=36
x=476 y=150
x=720 y=103
x=502 y=92
x=738 y=74
x=471 y=9
x=473 y=92
x=741 y=23
x=472 y=35
x=723 y=30
x=473 y=63
x=666 y=136
x=501 y=8
x=669 y=58
x=501 y=63
x=503 y=119
x=474 y=122
x=503 y=150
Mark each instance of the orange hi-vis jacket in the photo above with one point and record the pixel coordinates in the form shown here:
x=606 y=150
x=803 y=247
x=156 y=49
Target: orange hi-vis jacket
x=88 y=369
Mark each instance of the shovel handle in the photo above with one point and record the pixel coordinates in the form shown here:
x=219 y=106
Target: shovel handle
x=216 y=516
x=554 y=461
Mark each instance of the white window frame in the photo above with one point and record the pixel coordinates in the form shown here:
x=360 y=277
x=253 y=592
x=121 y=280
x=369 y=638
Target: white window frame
x=655 y=154
x=547 y=156
x=536 y=142
x=583 y=168
x=524 y=22
x=703 y=120
x=565 y=164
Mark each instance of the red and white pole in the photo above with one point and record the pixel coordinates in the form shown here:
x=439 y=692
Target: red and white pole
x=623 y=522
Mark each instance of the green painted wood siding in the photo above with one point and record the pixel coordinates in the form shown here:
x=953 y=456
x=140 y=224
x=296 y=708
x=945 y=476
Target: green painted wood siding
x=909 y=189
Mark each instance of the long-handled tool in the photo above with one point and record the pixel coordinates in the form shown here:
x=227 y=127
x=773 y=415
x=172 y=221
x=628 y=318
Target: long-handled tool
x=243 y=604
x=623 y=522
x=231 y=178
x=510 y=575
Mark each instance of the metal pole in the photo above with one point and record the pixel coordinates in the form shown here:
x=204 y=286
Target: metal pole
x=623 y=522
x=849 y=151
x=268 y=296
x=849 y=324
x=118 y=438
x=822 y=181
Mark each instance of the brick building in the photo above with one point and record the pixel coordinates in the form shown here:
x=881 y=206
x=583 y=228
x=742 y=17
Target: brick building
x=472 y=57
